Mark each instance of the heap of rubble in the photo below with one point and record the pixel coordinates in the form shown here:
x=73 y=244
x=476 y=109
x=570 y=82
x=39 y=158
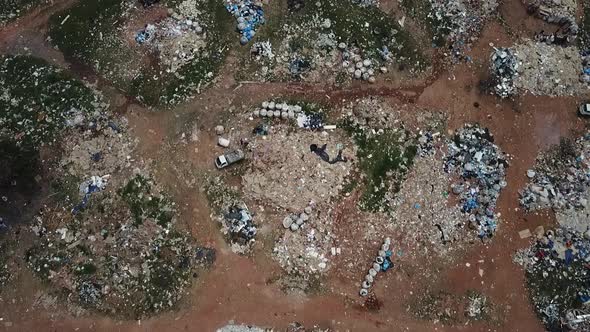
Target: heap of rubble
x=560 y=178
x=482 y=169
x=561 y=13
x=177 y=39
x=504 y=67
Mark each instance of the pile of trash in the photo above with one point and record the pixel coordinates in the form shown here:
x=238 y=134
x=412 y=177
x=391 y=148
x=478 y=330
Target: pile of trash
x=237 y=223
x=561 y=13
x=177 y=39
x=382 y=263
x=422 y=213
x=504 y=68
x=549 y=70
x=459 y=22
x=481 y=166
x=557 y=275
x=262 y=50
x=305 y=253
x=560 y=178
x=296 y=221
x=249 y=15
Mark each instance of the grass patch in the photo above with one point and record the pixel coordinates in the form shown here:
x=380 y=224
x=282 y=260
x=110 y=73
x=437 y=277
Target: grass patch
x=93 y=35
x=144 y=204
x=38 y=100
x=384 y=159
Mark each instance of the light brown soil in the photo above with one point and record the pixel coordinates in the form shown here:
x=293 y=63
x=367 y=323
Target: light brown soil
x=237 y=288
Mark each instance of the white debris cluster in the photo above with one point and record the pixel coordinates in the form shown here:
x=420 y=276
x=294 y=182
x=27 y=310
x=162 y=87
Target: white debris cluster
x=281 y=110
x=375 y=268
x=356 y=66
x=296 y=221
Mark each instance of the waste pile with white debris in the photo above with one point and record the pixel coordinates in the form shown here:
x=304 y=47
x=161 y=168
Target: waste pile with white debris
x=481 y=166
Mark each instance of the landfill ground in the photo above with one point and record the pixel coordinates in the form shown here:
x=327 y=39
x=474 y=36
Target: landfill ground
x=422 y=292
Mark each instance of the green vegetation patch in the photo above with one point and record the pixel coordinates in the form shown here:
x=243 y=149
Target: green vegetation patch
x=145 y=204
x=93 y=34
x=384 y=159
x=37 y=100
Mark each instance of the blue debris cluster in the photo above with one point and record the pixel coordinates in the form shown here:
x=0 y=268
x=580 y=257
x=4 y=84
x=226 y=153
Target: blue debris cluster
x=95 y=184
x=145 y=35
x=249 y=15
x=481 y=166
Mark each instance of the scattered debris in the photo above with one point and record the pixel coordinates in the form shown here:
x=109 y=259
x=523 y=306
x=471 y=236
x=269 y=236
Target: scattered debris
x=504 y=67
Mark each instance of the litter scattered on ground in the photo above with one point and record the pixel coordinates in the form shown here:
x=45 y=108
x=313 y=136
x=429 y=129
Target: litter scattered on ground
x=560 y=178
x=482 y=168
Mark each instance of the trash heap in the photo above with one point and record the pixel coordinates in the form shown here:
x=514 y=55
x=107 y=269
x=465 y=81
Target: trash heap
x=504 y=68
x=177 y=39
x=262 y=50
x=585 y=74
x=459 y=22
x=382 y=263
x=239 y=226
x=561 y=13
x=549 y=70
x=481 y=166
x=557 y=275
x=560 y=178
x=296 y=221
x=249 y=16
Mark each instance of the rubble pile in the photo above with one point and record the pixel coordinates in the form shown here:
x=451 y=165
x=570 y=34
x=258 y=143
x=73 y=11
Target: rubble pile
x=422 y=213
x=557 y=274
x=296 y=221
x=504 y=68
x=481 y=166
x=177 y=39
x=249 y=15
x=459 y=22
x=560 y=178
x=284 y=173
x=561 y=13
x=549 y=69
x=382 y=263
x=238 y=224
x=305 y=253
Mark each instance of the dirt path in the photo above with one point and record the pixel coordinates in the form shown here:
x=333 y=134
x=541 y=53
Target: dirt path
x=237 y=287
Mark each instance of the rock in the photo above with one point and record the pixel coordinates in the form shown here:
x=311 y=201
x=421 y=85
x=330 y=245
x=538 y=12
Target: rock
x=219 y=130
x=287 y=222
x=224 y=142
